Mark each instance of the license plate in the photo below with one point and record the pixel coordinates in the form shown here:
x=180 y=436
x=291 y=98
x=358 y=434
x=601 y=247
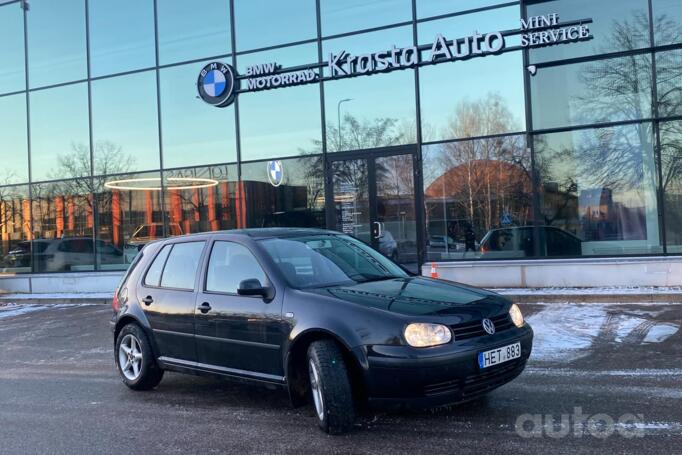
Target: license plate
x=500 y=355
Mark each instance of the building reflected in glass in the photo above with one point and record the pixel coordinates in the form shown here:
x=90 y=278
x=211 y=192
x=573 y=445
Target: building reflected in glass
x=556 y=151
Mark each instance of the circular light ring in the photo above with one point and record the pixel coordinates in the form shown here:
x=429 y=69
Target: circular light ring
x=181 y=183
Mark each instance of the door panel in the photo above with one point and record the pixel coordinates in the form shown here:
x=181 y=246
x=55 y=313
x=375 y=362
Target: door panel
x=374 y=201
x=238 y=332
x=168 y=298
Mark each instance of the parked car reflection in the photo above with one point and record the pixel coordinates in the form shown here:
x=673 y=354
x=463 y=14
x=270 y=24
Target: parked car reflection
x=64 y=255
x=518 y=242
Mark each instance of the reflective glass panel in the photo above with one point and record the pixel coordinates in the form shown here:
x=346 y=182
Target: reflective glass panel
x=370 y=111
x=671 y=159
x=189 y=31
x=498 y=19
x=60 y=141
x=599 y=185
x=283 y=121
x=125 y=124
x=340 y=16
x=617 y=25
x=121 y=35
x=230 y=264
x=63 y=225
x=180 y=271
x=15 y=230
x=286 y=193
x=153 y=276
x=592 y=92
x=211 y=204
x=667 y=21
x=669 y=79
x=477 y=97
x=56 y=45
x=13 y=140
x=129 y=215
x=12 y=62
x=194 y=132
x=263 y=23
x=478 y=199
x=428 y=8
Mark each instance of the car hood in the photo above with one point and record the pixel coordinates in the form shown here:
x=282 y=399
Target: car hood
x=418 y=296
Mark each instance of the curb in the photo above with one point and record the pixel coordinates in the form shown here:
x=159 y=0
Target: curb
x=54 y=301
x=595 y=298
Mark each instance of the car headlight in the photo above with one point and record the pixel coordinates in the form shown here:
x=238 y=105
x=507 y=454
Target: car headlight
x=422 y=335
x=516 y=315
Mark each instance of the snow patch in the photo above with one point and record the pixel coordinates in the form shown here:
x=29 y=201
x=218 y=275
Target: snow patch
x=661 y=332
x=629 y=290
x=565 y=332
x=17 y=309
x=76 y=295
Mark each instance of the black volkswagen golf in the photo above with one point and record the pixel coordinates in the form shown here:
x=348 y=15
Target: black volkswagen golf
x=316 y=312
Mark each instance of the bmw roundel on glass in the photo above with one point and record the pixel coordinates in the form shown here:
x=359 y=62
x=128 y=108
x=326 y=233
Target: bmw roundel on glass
x=216 y=84
x=275 y=172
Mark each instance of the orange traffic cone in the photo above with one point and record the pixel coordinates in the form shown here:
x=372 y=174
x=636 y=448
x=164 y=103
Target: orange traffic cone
x=434 y=272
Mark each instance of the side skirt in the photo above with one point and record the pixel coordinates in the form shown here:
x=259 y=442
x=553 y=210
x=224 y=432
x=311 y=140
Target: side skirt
x=185 y=366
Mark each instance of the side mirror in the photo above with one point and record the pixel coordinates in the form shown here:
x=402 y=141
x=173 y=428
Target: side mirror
x=253 y=286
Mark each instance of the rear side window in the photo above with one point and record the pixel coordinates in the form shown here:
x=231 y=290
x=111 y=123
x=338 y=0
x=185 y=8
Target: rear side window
x=230 y=264
x=182 y=264
x=153 y=277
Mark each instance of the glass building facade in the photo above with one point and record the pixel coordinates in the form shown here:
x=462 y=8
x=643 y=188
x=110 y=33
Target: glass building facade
x=556 y=151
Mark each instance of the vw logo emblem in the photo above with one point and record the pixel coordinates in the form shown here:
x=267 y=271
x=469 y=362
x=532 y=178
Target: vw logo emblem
x=275 y=172
x=488 y=326
x=216 y=84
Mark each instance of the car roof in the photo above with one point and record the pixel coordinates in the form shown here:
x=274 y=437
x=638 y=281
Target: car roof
x=265 y=233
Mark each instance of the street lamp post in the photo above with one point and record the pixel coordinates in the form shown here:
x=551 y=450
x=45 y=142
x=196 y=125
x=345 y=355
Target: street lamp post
x=338 y=116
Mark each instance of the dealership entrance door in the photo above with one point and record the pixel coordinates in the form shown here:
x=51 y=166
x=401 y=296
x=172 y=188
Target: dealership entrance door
x=373 y=199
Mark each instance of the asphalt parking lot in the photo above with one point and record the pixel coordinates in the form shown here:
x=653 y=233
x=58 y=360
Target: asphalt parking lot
x=60 y=393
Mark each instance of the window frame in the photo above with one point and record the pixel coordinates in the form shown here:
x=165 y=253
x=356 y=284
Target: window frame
x=205 y=290
x=165 y=263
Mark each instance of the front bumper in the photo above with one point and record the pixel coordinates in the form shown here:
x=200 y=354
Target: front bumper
x=402 y=376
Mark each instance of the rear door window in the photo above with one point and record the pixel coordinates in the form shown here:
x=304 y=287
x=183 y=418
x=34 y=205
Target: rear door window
x=153 y=277
x=181 y=267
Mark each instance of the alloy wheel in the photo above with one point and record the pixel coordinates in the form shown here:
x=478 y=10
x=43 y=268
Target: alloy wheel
x=130 y=357
x=316 y=387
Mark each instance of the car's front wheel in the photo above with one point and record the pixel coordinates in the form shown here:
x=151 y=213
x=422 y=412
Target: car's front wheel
x=135 y=359
x=330 y=387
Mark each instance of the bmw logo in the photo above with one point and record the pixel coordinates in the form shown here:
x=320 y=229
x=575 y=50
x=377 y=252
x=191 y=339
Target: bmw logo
x=488 y=326
x=275 y=172
x=216 y=84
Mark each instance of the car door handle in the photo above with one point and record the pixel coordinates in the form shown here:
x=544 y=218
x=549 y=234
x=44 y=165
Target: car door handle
x=205 y=307
x=148 y=300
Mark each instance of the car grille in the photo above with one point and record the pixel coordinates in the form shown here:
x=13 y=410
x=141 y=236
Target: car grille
x=475 y=329
x=478 y=383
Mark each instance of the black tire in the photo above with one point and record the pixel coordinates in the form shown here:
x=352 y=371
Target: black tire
x=338 y=413
x=150 y=374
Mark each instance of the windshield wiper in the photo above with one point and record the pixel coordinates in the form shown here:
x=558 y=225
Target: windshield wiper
x=378 y=278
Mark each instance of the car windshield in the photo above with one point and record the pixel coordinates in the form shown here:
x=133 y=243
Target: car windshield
x=329 y=260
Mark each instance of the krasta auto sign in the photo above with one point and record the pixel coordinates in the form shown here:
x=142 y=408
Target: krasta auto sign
x=219 y=83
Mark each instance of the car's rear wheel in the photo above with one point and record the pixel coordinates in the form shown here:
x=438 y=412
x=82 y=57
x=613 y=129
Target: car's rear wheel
x=135 y=359
x=330 y=387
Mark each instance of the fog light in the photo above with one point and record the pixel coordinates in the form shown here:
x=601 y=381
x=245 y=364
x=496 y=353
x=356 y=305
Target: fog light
x=516 y=315
x=422 y=335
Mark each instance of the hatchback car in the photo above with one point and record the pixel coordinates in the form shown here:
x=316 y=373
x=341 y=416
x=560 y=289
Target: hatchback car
x=317 y=313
